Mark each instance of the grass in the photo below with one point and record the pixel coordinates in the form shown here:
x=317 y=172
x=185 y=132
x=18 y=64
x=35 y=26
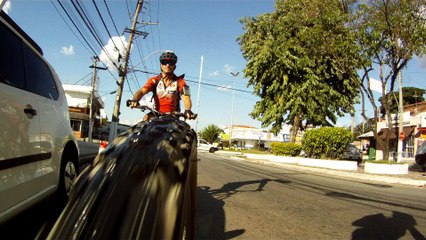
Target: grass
x=384 y=162
x=254 y=151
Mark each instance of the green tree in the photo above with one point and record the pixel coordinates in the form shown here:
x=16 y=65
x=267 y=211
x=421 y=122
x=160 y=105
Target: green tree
x=210 y=133
x=362 y=128
x=301 y=62
x=410 y=95
x=389 y=33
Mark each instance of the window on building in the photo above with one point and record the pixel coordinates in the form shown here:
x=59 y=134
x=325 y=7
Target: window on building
x=76 y=125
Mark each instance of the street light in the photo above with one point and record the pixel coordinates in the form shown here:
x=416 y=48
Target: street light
x=232 y=112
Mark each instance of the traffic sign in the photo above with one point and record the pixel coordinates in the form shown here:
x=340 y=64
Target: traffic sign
x=401 y=135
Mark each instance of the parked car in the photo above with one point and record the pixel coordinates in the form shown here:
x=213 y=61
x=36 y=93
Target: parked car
x=351 y=152
x=38 y=151
x=204 y=145
x=420 y=156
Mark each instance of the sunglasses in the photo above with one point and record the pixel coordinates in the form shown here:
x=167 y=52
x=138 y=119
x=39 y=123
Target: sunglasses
x=165 y=62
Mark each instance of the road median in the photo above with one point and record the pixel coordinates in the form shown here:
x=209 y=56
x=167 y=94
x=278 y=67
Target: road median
x=337 y=168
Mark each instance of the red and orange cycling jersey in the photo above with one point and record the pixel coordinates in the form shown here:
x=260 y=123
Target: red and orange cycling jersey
x=166 y=98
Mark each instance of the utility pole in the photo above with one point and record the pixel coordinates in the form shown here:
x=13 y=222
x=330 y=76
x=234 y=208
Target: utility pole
x=122 y=74
x=400 y=119
x=232 y=112
x=92 y=92
x=199 y=89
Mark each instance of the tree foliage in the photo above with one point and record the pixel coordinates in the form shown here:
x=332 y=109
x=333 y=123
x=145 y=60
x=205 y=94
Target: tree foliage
x=410 y=95
x=301 y=62
x=326 y=142
x=286 y=148
x=362 y=128
x=389 y=33
x=210 y=133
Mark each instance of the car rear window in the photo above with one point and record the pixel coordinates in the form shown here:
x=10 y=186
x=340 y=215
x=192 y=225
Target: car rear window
x=422 y=148
x=39 y=76
x=11 y=60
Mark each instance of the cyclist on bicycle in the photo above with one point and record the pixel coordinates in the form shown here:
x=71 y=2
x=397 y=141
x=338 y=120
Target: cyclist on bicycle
x=167 y=88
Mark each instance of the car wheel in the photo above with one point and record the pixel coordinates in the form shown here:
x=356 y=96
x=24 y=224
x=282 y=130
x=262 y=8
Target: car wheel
x=211 y=150
x=67 y=176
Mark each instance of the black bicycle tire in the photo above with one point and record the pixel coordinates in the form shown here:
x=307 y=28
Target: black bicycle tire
x=127 y=193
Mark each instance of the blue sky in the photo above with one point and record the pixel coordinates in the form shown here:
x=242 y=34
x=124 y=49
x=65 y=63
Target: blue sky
x=192 y=29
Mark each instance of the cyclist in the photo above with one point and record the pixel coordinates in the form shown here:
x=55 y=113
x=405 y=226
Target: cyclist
x=167 y=88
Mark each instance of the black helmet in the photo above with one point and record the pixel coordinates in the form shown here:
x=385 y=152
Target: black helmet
x=168 y=56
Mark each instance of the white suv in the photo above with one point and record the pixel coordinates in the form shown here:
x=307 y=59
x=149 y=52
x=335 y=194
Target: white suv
x=38 y=151
x=204 y=145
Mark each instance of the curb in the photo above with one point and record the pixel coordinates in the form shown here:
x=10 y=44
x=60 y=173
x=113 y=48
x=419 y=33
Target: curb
x=292 y=163
x=347 y=174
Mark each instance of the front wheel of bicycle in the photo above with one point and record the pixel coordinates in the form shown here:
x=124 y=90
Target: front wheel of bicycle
x=142 y=186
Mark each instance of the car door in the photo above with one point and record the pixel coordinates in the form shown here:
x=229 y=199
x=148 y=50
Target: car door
x=19 y=125
x=41 y=82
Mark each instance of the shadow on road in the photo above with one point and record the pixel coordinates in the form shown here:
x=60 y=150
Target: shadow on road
x=34 y=223
x=359 y=198
x=380 y=227
x=210 y=212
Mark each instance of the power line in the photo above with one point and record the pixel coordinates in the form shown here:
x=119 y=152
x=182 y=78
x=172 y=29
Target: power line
x=73 y=32
x=103 y=22
x=203 y=83
x=81 y=79
x=112 y=20
x=72 y=21
x=84 y=16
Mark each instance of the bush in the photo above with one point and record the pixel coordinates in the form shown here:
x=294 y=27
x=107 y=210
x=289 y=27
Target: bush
x=286 y=149
x=326 y=142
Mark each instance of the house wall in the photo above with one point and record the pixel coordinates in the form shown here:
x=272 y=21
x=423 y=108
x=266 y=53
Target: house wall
x=78 y=98
x=414 y=116
x=249 y=137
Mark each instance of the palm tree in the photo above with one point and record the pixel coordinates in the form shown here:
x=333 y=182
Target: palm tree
x=210 y=133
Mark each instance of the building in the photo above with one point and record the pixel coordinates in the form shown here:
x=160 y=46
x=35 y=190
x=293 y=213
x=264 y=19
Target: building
x=249 y=137
x=78 y=98
x=414 y=129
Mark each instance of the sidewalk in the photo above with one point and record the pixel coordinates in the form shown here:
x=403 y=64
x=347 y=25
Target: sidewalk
x=414 y=178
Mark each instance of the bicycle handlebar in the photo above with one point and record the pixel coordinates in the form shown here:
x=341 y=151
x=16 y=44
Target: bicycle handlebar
x=157 y=113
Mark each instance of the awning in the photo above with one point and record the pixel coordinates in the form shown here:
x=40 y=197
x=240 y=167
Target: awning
x=80 y=116
x=420 y=131
x=408 y=130
x=367 y=135
x=384 y=132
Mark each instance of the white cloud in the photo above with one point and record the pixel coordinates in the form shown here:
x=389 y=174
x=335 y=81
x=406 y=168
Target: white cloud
x=68 y=51
x=214 y=74
x=113 y=53
x=225 y=88
x=7 y=7
x=228 y=68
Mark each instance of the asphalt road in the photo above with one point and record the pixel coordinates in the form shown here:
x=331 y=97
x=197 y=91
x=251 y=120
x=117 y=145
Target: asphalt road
x=237 y=199
x=245 y=200
x=88 y=152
